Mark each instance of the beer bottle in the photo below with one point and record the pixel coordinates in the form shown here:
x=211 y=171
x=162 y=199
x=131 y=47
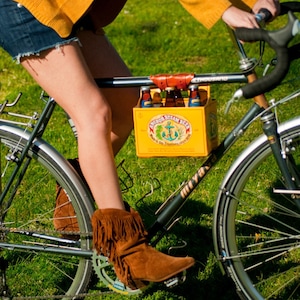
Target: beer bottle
x=170 y=97
x=156 y=100
x=203 y=96
x=146 y=100
x=194 y=97
x=179 y=102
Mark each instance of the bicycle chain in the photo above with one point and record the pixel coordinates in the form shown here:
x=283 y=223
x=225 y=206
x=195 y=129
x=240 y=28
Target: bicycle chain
x=5 y=229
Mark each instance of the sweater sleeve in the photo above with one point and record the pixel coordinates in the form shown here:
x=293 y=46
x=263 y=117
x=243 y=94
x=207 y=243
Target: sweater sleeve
x=208 y=12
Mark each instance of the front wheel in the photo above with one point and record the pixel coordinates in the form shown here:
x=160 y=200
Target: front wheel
x=256 y=229
x=37 y=261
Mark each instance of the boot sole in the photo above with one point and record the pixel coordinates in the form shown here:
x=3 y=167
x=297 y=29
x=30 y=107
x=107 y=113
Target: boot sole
x=140 y=280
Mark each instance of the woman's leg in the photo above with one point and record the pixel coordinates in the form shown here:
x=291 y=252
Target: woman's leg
x=103 y=61
x=64 y=75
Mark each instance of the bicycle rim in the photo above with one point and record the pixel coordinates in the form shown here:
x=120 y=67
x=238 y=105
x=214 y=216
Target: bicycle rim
x=28 y=223
x=257 y=226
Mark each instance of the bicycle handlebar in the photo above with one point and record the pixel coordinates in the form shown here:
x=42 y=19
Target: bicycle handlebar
x=278 y=40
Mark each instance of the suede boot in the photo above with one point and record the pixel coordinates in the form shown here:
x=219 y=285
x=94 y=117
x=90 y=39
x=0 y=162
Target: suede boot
x=64 y=218
x=120 y=235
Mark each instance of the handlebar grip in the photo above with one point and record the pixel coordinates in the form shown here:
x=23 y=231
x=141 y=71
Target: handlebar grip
x=278 y=40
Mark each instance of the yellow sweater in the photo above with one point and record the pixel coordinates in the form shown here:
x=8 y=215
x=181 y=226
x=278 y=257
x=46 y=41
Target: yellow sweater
x=208 y=12
x=62 y=14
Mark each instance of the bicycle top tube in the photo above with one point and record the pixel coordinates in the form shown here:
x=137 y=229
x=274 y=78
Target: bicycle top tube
x=164 y=80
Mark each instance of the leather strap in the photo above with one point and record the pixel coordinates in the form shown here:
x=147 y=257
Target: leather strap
x=179 y=81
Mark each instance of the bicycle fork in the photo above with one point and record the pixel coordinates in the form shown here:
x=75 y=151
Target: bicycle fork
x=282 y=156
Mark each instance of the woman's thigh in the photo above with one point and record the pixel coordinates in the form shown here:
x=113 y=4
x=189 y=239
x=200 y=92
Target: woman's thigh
x=64 y=75
x=104 y=61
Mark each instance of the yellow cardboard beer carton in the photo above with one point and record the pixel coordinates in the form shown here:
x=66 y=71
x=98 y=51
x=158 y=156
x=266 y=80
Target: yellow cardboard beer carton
x=176 y=131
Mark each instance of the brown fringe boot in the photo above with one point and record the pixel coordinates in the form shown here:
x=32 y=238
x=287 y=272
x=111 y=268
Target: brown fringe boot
x=64 y=218
x=120 y=235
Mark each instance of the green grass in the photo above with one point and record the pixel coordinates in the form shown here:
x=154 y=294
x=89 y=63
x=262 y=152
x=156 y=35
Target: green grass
x=160 y=37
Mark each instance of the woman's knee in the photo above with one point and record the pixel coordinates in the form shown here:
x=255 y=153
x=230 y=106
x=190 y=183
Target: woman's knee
x=94 y=119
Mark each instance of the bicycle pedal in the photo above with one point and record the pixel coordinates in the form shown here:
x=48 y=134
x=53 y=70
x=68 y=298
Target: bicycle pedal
x=176 y=280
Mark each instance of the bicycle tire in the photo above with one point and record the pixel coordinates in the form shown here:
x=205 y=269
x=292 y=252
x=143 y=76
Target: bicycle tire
x=29 y=221
x=256 y=236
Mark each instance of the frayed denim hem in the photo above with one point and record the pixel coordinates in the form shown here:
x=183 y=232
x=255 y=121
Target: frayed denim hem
x=57 y=46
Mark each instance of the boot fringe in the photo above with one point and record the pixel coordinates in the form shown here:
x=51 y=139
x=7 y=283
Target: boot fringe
x=113 y=225
x=111 y=229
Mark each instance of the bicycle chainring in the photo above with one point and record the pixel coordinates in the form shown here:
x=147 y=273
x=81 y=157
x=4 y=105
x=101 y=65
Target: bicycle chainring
x=106 y=274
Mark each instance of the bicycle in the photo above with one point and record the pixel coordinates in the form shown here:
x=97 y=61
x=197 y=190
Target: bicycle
x=252 y=243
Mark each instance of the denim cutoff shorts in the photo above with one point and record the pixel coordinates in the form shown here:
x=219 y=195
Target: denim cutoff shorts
x=22 y=35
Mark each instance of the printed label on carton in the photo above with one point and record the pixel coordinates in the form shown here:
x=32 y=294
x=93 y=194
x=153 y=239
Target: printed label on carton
x=168 y=129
